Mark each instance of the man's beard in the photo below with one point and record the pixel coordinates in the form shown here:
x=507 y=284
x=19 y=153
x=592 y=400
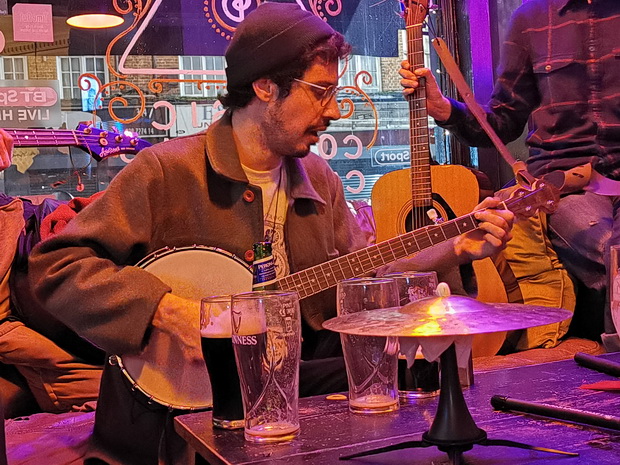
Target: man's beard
x=274 y=125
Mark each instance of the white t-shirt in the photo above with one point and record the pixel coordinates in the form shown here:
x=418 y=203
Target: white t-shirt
x=274 y=184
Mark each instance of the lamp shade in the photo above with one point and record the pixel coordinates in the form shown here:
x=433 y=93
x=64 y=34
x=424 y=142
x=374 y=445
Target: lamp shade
x=93 y=14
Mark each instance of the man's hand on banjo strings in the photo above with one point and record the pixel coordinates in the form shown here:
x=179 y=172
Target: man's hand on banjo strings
x=180 y=318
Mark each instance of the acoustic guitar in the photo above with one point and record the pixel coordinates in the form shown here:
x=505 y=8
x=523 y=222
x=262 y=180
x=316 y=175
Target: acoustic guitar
x=98 y=143
x=402 y=199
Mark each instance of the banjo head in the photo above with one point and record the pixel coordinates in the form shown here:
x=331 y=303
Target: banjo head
x=161 y=372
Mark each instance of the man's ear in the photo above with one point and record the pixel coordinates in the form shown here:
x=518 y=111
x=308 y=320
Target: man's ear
x=265 y=89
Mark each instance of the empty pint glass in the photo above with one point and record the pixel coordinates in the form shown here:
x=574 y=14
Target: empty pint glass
x=266 y=328
x=371 y=361
x=421 y=379
x=217 y=350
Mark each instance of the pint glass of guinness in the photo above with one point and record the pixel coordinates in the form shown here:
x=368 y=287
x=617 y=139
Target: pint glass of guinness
x=218 y=353
x=266 y=336
x=421 y=379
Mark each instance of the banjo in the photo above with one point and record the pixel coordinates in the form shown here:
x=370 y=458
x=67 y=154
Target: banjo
x=194 y=272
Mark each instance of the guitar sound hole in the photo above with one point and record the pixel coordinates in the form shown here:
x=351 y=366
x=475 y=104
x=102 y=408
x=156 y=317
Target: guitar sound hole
x=418 y=217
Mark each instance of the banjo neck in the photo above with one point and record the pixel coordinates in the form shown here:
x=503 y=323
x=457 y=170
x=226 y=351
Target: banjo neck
x=326 y=275
x=523 y=203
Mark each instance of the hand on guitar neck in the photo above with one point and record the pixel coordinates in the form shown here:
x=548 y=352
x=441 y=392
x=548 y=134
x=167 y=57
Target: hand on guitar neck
x=437 y=105
x=491 y=236
x=6 y=149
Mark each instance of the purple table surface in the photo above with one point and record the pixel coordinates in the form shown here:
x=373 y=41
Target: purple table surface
x=329 y=430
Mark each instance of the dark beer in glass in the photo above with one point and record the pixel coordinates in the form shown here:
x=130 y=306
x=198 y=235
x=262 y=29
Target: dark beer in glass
x=419 y=380
x=217 y=350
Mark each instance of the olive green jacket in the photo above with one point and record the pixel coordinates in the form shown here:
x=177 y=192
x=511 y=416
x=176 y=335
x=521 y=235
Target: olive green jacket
x=191 y=190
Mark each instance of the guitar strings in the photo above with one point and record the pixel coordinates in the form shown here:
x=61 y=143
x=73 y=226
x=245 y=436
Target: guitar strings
x=420 y=169
x=66 y=139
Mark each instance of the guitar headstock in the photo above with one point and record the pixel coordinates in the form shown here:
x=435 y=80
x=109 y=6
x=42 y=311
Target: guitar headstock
x=101 y=144
x=414 y=11
x=541 y=196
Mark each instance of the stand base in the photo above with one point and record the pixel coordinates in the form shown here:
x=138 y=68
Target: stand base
x=453 y=430
x=455 y=451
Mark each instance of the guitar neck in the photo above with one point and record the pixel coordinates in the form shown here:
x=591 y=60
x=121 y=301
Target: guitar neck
x=421 y=189
x=46 y=137
x=321 y=277
x=523 y=203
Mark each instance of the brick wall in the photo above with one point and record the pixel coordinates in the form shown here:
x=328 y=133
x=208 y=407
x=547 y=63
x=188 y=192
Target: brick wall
x=140 y=62
x=390 y=78
x=42 y=67
x=153 y=62
x=389 y=69
x=169 y=62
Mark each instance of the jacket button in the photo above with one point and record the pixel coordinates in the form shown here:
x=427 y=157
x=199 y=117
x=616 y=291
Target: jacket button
x=548 y=67
x=248 y=196
x=249 y=256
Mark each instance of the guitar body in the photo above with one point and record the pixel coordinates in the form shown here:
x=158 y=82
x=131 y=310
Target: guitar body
x=455 y=193
x=455 y=190
x=444 y=187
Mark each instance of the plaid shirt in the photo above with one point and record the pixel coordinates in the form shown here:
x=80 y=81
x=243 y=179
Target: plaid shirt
x=561 y=68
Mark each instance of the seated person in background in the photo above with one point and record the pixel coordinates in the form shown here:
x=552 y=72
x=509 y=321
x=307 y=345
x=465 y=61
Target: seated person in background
x=560 y=69
x=249 y=175
x=32 y=364
x=6 y=150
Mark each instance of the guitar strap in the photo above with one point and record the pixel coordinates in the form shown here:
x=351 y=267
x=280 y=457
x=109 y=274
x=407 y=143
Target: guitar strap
x=582 y=177
x=518 y=167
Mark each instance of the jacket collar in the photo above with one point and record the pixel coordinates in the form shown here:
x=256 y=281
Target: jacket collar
x=222 y=153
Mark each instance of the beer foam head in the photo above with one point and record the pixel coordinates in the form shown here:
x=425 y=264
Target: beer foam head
x=218 y=326
x=215 y=318
x=248 y=322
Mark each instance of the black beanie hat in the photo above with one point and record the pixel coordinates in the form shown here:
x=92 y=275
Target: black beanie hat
x=271 y=36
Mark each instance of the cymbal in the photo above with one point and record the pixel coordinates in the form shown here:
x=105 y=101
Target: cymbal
x=446 y=316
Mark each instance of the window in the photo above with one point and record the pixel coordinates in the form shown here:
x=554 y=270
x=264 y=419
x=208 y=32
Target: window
x=370 y=139
x=70 y=69
x=359 y=63
x=14 y=68
x=207 y=63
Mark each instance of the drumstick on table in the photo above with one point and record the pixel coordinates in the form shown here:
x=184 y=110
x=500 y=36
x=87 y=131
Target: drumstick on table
x=598 y=364
x=560 y=413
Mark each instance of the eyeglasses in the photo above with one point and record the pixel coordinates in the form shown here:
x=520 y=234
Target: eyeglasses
x=327 y=94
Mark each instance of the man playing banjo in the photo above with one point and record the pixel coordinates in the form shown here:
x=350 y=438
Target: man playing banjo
x=250 y=173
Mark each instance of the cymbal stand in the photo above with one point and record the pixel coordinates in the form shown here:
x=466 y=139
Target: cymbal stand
x=453 y=430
